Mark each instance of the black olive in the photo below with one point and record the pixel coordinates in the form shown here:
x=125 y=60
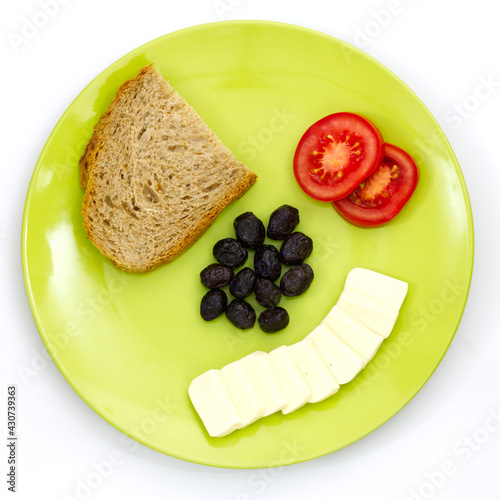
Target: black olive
x=243 y=283
x=241 y=314
x=267 y=293
x=282 y=222
x=216 y=276
x=267 y=262
x=230 y=252
x=273 y=320
x=249 y=230
x=296 y=280
x=213 y=304
x=296 y=248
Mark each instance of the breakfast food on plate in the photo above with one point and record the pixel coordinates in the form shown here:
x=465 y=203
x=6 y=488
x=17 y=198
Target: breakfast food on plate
x=274 y=319
x=335 y=154
x=296 y=280
x=265 y=378
x=295 y=248
x=214 y=405
x=230 y=252
x=308 y=371
x=213 y=304
x=343 y=159
x=241 y=314
x=313 y=369
x=295 y=387
x=155 y=175
x=216 y=276
x=249 y=230
x=267 y=293
x=282 y=222
x=268 y=263
x=243 y=283
x=381 y=196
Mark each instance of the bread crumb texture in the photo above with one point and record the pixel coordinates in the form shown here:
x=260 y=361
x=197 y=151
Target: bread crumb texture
x=155 y=176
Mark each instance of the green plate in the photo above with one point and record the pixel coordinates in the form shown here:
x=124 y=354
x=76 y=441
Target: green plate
x=130 y=344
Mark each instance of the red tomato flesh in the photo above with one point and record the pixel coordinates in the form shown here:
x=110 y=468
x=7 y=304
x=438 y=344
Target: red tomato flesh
x=335 y=154
x=382 y=195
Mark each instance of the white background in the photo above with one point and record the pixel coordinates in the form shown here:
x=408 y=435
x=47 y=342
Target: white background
x=445 y=443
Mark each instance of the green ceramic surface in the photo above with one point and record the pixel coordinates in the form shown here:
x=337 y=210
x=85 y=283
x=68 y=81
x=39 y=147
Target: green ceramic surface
x=130 y=344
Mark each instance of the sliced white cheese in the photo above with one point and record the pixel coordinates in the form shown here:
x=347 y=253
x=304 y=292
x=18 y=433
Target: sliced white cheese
x=308 y=371
x=378 y=286
x=375 y=315
x=243 y=392
x=356 y=335
x=260 y=369
x=295 y=387
x=214 y=405
x=313 y=369
x=340 y=359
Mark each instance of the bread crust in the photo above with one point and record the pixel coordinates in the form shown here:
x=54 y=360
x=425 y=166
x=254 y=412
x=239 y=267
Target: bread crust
x=88 y=157
x=89 y=165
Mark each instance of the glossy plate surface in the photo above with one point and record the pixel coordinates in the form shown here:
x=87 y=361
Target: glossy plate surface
x=131 y=344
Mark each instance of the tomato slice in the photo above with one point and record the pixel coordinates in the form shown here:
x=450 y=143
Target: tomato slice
x=335 y=154
x=381 y=196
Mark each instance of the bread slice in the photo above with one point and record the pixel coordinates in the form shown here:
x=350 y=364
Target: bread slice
x=155 y=176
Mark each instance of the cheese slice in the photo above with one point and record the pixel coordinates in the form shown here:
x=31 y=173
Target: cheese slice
x=375 y=315
x=214 y=405
x=295 y=387
x=313 y=369
x=343 y=363
x=243 y=392
x=378 y=286
x=352 y=332
x=260 y=369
